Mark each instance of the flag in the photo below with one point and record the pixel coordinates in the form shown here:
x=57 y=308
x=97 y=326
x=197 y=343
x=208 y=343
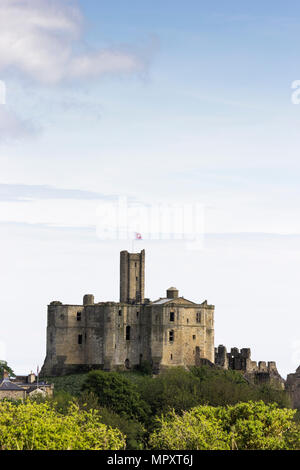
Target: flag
x=138 y=236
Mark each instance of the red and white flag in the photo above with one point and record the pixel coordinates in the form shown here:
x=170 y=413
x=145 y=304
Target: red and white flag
x=138 y=236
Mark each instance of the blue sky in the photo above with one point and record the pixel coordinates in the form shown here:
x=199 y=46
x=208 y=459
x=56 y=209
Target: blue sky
x=157 y=102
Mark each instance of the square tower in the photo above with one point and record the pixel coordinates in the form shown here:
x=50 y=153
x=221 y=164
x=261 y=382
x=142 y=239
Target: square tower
x=132 y=277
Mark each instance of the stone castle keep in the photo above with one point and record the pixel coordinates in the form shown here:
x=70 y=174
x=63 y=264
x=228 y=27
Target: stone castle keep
x=170 y=331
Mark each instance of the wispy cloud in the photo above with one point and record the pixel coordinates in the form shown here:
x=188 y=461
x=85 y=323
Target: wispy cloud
x=19 y=192
x=44 y=40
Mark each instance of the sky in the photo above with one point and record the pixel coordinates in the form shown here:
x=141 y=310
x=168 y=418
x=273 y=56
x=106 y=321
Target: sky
x=156 y=104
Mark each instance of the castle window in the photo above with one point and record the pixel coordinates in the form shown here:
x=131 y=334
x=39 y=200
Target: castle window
x=172 y=316
x=120 y=313
x=127 y=333
x=78 y=316
x=198 y=317
x=194 y=337
x=171 y=357
x=137 y=314
x=127 y=364
x=187 y=320
x=171 y=336
x=79 y=339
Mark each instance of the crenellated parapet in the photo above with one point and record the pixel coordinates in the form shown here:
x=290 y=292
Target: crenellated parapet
x=240 y=360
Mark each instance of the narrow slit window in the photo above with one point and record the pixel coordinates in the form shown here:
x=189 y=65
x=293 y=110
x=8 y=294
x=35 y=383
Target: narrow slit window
x=79 y=339
x=172 y=316
x=127 y=333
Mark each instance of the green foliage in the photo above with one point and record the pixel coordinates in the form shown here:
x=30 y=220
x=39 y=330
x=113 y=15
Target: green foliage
x=33 y=426
x=3 y=367
x=116 y=392
x=189 y=432
x=134 y=431
x=145 y=368
x=68 y=383
x=269 y=394
x=244 y=426
x=173 y=389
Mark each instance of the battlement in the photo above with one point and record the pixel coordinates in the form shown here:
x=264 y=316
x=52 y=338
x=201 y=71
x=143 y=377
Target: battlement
x=240 y=359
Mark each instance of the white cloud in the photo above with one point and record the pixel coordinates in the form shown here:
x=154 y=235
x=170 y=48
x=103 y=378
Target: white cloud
x=41 y=39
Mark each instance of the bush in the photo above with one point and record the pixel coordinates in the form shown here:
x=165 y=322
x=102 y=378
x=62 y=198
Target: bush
x=33 y=426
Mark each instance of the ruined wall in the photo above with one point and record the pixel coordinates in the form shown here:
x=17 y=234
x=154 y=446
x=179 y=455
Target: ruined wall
x=240 y=360
x=293 y=388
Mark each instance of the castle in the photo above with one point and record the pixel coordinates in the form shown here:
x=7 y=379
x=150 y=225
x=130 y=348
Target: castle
x=169 y=331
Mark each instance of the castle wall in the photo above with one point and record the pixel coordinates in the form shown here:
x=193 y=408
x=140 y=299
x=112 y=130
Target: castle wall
x=191 y=340
x=118 y=335
x=104 y=341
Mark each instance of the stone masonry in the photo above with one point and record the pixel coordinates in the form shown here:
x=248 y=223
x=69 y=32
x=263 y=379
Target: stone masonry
x=170 y=331
x=240 y=360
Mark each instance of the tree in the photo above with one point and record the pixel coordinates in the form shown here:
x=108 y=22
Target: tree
x=244 y=426
x=38 y=426
x=116 y=392
x=5 y=367
x=173 y=389
x=191 y=431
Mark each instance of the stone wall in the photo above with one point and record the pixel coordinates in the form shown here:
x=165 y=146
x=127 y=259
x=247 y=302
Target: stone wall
x=118 y=335
x=13 y=394
x=293 y=388
x=240 y=360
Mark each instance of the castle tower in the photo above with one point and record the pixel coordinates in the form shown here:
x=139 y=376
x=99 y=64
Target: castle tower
x=132 y=277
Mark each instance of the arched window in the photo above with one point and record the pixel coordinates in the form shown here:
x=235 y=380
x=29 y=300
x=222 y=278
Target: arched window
x=127 y=333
